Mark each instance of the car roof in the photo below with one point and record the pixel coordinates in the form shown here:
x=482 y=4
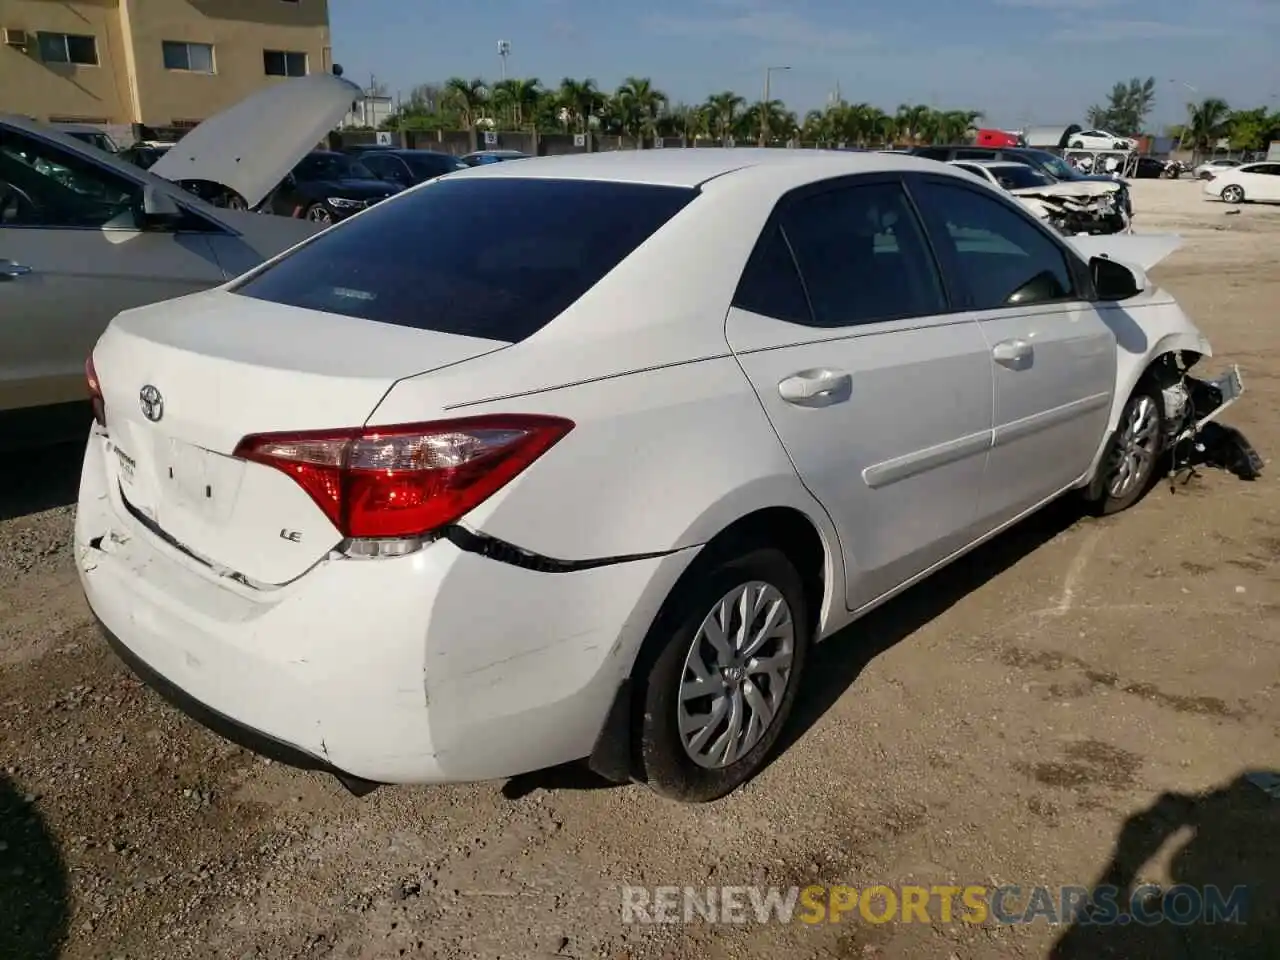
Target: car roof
x=694 y=167
x=991 y=163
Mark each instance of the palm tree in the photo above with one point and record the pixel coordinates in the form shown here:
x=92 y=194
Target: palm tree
x=639 y=106
x=582 y=98
x=520 y=97
x=467 y=97
x=1207 y=122
x=723 y=109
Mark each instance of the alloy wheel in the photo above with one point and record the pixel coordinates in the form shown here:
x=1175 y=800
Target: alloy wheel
x=1135 y=450
x=736 y=674
x=319 y=214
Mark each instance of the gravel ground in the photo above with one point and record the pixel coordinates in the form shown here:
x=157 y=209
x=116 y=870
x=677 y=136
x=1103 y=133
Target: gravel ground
x=1002 y=723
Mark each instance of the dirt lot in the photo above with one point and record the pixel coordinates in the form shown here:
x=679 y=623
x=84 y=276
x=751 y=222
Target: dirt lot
x=998 y=724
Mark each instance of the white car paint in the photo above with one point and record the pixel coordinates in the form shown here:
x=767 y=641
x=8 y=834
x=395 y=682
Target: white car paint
x=1214 y=167
x=250 y=146
x=1099 y=140
x=62 y=282
x=1042 y=201
x=1252 y=182
x=500 y=646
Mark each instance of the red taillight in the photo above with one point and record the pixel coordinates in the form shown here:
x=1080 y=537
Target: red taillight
x=405 y=481
x=95 y=392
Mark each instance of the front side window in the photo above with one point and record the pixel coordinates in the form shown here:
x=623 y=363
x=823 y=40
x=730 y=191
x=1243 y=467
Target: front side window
x=331 y=166
x=863 y=256
x=1003 y=258
x=434 y=165
x=284 y=63
x=68 y=48
x=193 y=57
x=47 y=186
x=494 y=258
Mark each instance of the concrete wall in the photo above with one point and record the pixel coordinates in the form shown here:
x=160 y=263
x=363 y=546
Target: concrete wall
x=131 y=83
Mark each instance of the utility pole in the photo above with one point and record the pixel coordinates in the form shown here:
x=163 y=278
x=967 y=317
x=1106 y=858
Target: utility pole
x=764 y=107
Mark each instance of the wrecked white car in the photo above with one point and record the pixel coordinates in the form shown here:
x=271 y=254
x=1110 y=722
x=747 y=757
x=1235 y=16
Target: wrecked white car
x=85 y=235
x=1073 y=207
x=1157 y=346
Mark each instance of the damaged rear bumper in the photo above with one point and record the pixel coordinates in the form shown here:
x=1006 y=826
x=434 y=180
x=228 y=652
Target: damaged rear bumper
x=441 y=666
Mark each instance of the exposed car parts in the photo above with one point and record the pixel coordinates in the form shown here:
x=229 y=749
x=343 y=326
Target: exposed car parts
x=1191 y=409
x=1085 y=208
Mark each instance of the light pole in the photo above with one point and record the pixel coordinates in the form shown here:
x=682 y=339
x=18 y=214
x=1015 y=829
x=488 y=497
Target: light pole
x=1183 y=133
x=764 y=107
x=504 y=51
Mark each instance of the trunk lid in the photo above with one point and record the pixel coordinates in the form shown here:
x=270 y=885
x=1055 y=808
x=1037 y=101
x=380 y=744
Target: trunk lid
x=251 y=146
x=185 y=381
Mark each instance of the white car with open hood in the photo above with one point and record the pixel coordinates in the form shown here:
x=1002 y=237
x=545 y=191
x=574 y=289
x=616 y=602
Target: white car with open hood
x=576 y=457
x=1069 y=206
x=85 y=235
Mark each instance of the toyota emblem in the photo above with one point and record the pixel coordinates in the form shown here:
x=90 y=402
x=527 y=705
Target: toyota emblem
x=152 y=403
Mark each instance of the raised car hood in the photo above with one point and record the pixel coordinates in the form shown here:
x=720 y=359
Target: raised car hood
x=1079 y=189
x=252 y=145
x=1139 y=249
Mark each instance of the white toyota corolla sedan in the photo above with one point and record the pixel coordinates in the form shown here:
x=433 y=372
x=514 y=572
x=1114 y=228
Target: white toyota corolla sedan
x=576 y=457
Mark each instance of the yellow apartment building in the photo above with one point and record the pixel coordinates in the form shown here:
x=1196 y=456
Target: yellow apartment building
x=162 y=63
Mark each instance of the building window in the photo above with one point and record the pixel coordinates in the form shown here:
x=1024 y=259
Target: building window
x=283 y=63
x=68 y=48
x=195 y=57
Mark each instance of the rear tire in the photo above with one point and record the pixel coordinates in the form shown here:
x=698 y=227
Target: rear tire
x=1128 y=466
x=1076 y=145
x=1234 y=193
x=702 y=662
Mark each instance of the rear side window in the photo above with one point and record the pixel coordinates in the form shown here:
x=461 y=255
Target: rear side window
x=770 y=284
x=863 y=256
x=497 y=258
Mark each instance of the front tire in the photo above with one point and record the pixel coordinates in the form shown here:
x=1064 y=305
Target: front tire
x=723 y=666
x=1233 y=193
x=318 y=213
x=1129 y=464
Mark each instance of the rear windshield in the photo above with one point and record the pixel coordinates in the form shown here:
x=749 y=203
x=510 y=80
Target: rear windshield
x=497 y=258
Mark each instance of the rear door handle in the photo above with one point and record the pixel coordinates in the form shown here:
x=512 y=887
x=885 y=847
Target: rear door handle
x=9 y=270
x=820 y=387
x=1011 y=351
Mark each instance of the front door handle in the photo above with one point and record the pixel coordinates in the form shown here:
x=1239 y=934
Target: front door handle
x=1011 y=351
x=9 y=270
x=820 y=387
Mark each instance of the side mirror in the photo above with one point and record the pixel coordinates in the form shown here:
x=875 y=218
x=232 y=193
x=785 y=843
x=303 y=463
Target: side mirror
x=289 y=180
x=157 y=209
x=1114 y=280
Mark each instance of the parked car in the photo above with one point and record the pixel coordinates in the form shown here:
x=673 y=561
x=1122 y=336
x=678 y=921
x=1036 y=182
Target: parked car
x=1149 y=168
x=1100 y=140
x=493 y=156
x=87 y=133
x=576 y=457
x=144 y=155
x=326 y=187
x=1252 y=182
x=409 y=167
x=1211 y=168
x=85 y=235
x=1071 y=207
x=1050 y=163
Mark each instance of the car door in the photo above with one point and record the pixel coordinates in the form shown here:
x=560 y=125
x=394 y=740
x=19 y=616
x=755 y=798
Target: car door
x=879 y=391
x=72 y=256
x=1264 y=182
x=391 y=169
x=1052 y=356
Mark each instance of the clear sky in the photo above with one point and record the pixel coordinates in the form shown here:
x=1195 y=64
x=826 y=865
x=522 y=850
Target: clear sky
x=1022 y=61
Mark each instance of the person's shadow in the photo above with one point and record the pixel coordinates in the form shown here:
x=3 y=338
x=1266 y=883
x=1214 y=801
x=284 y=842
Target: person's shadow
x=34 y=906
x=1234 y=843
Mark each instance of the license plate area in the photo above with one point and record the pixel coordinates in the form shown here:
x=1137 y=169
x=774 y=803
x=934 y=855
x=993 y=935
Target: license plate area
x=170 y=481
